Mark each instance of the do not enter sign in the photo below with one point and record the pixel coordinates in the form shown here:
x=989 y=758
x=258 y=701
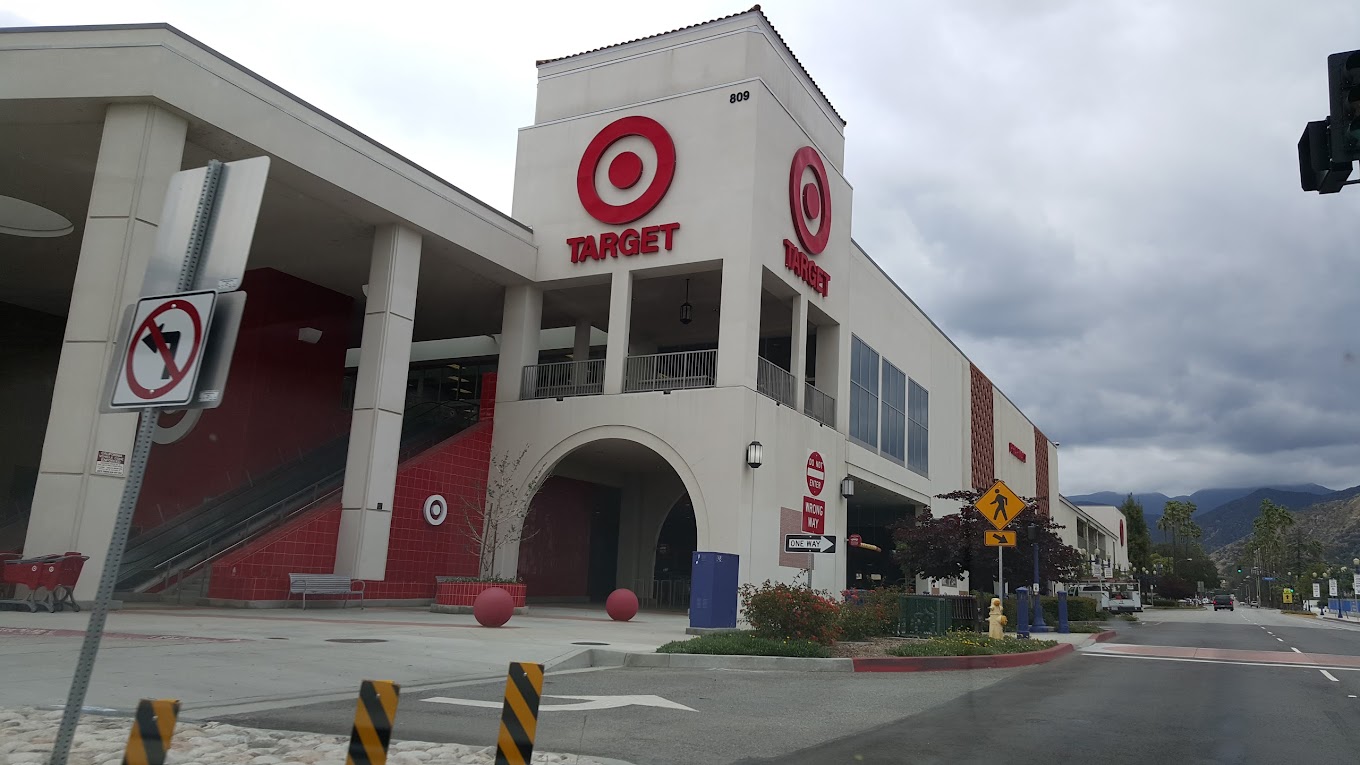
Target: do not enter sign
x=160 y=362
x=816 y=473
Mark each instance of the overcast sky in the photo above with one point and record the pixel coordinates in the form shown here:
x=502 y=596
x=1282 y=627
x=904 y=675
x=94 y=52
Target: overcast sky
x=1120 y=177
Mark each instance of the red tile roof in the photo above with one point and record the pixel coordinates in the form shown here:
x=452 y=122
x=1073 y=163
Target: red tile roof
x=754 y=9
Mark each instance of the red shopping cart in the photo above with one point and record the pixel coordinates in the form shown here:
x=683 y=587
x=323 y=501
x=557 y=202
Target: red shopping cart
x=50 y=579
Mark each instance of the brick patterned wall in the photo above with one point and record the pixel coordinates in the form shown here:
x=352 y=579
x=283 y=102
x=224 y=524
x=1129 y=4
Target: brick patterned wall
x=983 y=436
x=1041 y=486
x=417 y=552
x=283 y=400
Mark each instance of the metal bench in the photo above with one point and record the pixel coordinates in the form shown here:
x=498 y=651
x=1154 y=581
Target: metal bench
x=324 y=584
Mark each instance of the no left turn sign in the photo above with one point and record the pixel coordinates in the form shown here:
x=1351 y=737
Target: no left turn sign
x=161 y=359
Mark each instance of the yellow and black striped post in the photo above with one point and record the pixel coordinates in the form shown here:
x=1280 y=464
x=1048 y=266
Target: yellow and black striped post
x=152 y=728
x=373 y=720
x=519 y=716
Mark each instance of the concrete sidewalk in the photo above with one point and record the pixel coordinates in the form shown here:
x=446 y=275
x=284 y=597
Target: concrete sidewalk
x=223 y=661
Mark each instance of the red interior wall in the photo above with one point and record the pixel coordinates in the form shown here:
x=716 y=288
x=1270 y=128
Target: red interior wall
x=417 y=552
x=283 y=399
x=554 y=560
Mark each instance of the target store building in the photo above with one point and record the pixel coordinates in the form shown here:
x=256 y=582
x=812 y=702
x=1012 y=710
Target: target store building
x=671 y=343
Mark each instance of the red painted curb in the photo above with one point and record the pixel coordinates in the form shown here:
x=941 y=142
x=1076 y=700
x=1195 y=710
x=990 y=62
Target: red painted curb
x=945 y=663
x=1106 y=636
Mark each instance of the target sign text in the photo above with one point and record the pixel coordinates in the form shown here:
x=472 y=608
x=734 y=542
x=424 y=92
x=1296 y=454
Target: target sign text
x=809 y=208
x=624 y=173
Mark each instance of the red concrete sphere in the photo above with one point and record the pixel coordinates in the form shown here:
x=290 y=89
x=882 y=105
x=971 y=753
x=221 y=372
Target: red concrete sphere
x=493 y=607
x=621 y=605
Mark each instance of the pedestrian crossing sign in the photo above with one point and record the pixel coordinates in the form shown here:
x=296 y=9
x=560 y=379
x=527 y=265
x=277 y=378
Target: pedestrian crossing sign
x=999 y=505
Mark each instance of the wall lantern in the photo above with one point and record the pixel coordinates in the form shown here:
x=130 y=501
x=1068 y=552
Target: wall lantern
x=847 y=487
x=755 y=454
x=686 y=310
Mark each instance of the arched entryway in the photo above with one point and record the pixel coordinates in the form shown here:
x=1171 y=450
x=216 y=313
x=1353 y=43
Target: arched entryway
x=676 y=543
x=598 y=521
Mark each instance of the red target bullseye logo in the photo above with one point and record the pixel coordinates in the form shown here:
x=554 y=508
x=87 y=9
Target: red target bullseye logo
x=810 y=203
x=625 y=170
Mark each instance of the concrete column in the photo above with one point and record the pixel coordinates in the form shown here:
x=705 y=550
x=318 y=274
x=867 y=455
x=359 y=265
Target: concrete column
x=73 y=508
x=739 y=323
x=798 y=348
x=521 y=328
x=831 y=369
x=379 y=400
x=620 y=318
x=580 y=350
x=646 y=503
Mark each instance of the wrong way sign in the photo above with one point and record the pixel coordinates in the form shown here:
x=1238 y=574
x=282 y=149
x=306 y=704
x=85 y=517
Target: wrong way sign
x=162 y=357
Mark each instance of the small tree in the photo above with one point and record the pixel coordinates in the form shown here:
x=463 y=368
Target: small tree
x=1139 y=539
x=953 y=545
x=498 y=522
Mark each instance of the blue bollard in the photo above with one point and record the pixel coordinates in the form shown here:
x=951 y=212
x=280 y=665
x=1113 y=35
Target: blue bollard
x=1063 y=627
x=1022 y=613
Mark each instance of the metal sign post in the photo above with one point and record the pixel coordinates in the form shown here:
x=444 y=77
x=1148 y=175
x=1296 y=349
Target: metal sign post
x=203 y=221
x=1000 y=577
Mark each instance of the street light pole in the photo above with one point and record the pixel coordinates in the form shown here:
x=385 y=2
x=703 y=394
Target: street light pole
x=1038 y=625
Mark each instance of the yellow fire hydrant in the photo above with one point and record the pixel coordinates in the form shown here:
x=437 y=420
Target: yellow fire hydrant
x=996 y=619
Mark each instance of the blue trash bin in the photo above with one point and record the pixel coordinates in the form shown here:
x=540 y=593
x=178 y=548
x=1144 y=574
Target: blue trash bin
x=713 y=591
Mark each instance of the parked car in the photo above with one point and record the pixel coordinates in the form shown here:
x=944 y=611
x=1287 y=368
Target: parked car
x=1223 y=601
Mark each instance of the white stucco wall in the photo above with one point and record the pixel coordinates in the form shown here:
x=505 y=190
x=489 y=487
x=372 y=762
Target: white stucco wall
x=702 y=434
x=1010 y=426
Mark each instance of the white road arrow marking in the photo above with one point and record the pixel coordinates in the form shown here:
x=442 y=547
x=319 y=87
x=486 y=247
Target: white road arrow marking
x=586 y=703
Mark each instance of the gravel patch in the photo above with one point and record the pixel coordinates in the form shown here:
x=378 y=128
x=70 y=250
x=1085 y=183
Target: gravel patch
x=27 y=735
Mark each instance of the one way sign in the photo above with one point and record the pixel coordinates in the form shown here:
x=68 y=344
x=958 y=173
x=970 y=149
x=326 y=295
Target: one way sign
x=813 y=543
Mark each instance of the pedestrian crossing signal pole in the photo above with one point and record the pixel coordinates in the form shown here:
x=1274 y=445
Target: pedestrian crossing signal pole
x=1000 y=576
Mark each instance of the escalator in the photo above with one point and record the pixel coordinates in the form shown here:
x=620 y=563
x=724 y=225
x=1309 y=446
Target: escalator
x=161 y=555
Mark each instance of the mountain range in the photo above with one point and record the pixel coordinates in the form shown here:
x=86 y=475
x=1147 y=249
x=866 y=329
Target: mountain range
x=1204 y=499
x=1226 y=515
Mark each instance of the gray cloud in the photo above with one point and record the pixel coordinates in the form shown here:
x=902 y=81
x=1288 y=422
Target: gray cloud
x=1124 y=178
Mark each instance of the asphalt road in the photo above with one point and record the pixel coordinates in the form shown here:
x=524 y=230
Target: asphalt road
x=1112 y=708
x=1166 y=703
x=731 y=715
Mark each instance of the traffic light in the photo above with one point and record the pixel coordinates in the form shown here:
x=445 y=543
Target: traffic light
x=1343 y=85
x=1239 y=569
x=1319 y=169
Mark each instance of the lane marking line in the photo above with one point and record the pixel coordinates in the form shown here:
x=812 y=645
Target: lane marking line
x=1085 y=652
x=1280 y=639
x=1295 y=650
x=1328 y=675
x=1350 y=695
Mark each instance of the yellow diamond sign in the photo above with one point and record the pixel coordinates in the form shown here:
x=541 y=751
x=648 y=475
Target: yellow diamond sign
x=999 y=505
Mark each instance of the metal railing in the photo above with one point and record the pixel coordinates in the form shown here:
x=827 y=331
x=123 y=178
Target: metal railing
x=819 y=405
x=670 y=371
x=662 y=593
x=775 y=382
x=562 y=379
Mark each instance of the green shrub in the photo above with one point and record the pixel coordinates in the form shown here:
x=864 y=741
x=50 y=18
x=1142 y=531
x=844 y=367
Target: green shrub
x=746 y=644
x=1165 y=603
x=1085 y=627
x=1128 y=617
x=790 y=612
x=869 y=613
x=969 y=644
x=1078 y=610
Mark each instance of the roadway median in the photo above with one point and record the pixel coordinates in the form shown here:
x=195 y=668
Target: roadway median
x=943 y=654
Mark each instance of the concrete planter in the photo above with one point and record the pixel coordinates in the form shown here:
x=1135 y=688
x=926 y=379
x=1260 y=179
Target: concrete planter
x=457 y=597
